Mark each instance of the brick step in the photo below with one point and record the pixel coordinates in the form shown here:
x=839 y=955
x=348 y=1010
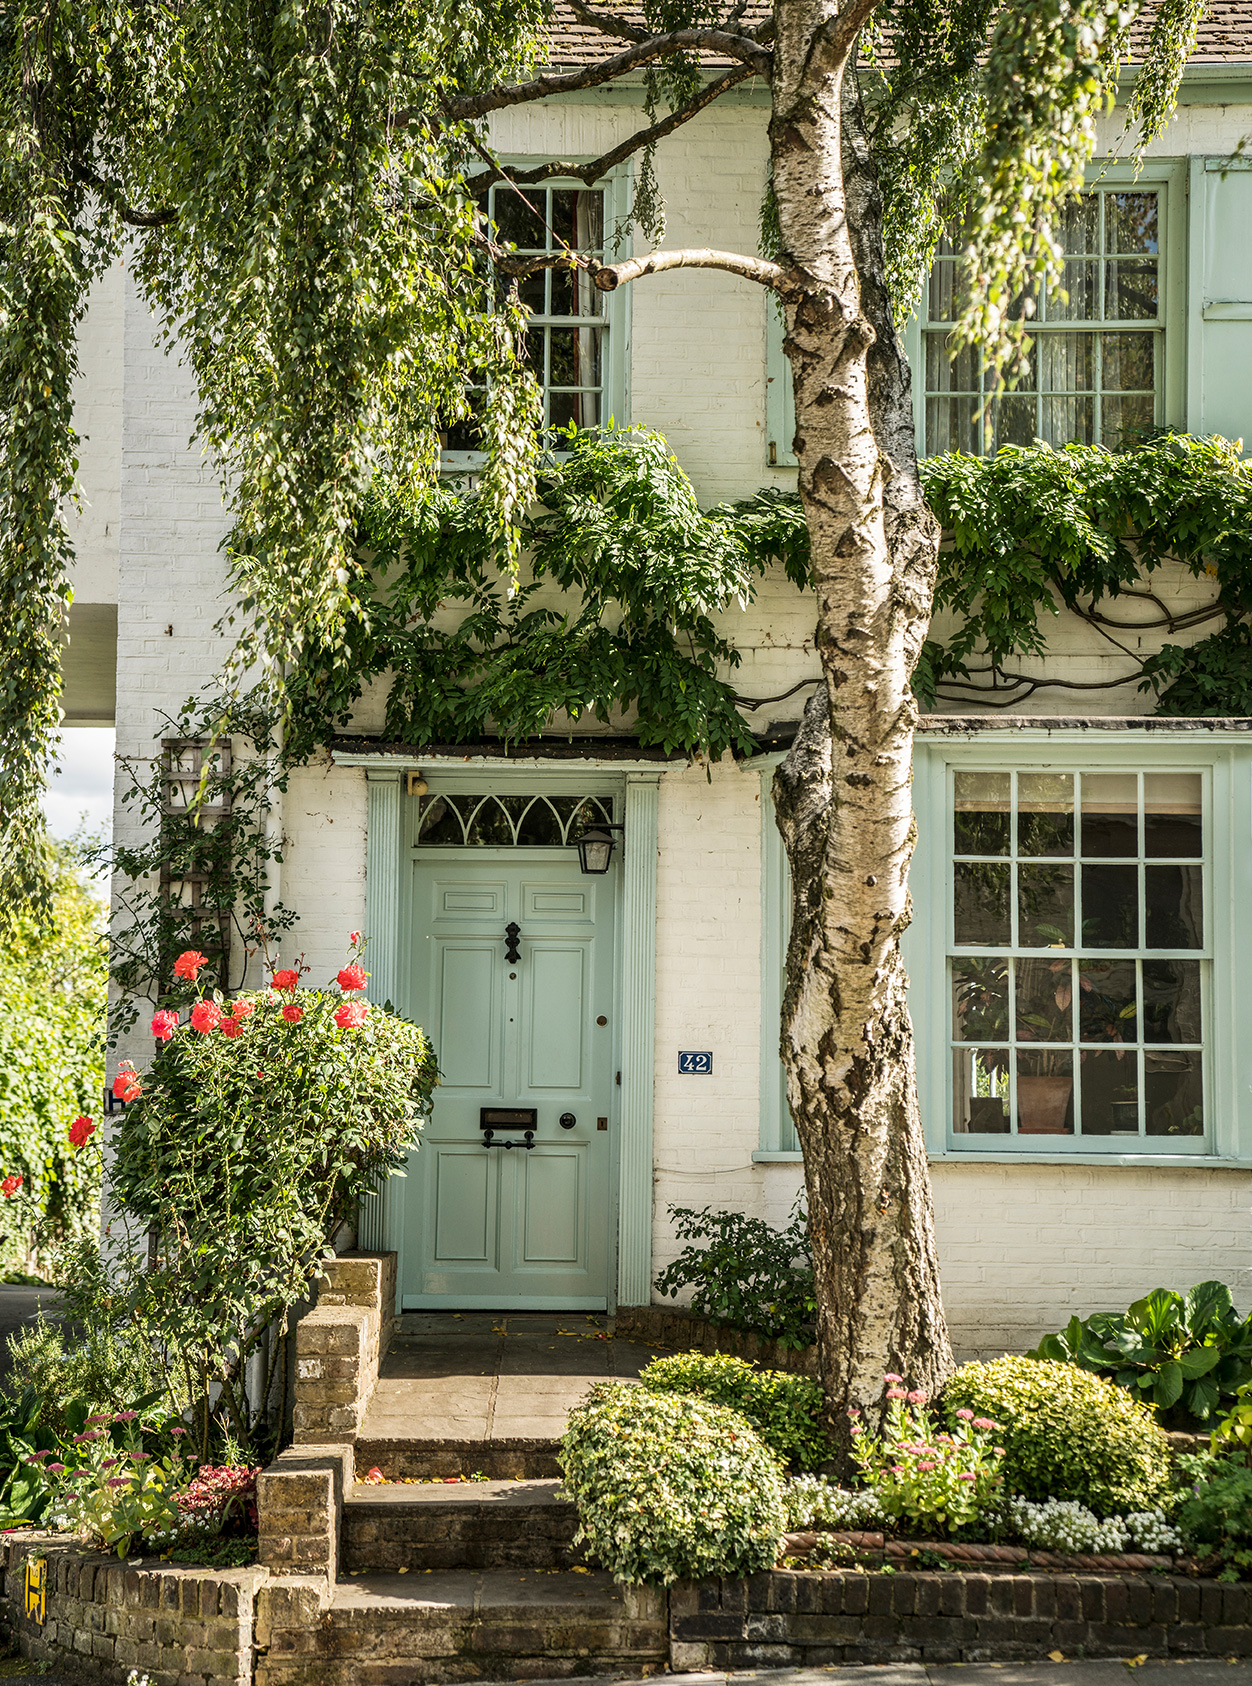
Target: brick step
x=500 y=1460
x=475 y=1525
x=381 y=1630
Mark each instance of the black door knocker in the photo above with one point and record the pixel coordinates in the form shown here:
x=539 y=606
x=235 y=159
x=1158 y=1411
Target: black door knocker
x=512 y=932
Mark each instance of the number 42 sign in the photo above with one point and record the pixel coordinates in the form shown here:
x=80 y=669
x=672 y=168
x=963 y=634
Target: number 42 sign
x=692 y=1064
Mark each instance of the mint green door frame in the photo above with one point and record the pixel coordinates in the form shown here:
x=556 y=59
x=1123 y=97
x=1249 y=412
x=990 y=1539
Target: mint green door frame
x=386 y=801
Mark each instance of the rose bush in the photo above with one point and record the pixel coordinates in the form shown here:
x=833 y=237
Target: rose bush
x=257 y=1131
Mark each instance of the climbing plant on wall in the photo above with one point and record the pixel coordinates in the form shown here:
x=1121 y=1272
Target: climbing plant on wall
x=1037 y=533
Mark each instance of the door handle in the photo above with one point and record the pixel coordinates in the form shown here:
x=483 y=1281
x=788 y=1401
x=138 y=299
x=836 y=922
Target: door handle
x=512 y=931
x=491 y=1140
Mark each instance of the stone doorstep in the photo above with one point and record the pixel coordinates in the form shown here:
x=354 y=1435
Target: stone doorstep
x=499 y=1460
x=473 y=1525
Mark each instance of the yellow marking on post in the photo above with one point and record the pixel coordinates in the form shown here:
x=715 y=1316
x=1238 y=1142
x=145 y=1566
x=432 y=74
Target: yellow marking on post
x=36 y=1590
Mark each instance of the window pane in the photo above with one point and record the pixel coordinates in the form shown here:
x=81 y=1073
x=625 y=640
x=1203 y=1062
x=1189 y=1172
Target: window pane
x=1110 y=814
x=1171 y=1001
x=980 y=1085
x=1173 y=824
x=1106 y=1001
x=1078 y=226
x=1015 y=420
x=1045 y=813
x=1175 y=906
x=1045 y=906
x=1110 y=1093
x=1130 y=222
x=952 y=425
x=1080 y=279
x=945 y=290
x=515 y=222
x=1045 y=1093
x=574 y=409
x=980 y=1000
x=534 y=351
x=1044 y=1000
x=440 y=821
x=574 y=358
x=981 y=905
x=1173 y=1095
x=577 y=218
x=490 y=825
x=1130 y=290
x=1129 y=362
x=574 y=293
x=1125 y=421
x=1069 y=420
x=945 y=373
x=466 y=434
x=539 y=825
x=1110 y=907
x=1067 y=362
x=982 y=813
x=532 y=290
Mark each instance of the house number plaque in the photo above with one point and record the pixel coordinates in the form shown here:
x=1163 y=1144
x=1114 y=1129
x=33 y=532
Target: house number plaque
x=692 y=1064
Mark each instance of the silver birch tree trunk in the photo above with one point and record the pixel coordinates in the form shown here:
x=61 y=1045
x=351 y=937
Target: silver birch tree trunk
x=843 y=795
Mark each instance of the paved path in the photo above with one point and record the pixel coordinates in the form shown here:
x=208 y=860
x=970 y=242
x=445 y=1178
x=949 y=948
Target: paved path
x=1203 y=1672
x=478 y=1376
x=17 y=1307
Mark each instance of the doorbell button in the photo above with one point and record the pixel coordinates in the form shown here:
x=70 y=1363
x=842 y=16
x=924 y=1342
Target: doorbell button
x=567 y=1121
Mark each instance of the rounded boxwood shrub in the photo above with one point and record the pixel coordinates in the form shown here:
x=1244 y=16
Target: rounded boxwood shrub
x=670 y=1487
x=785 y=1410
x=1068 y=1434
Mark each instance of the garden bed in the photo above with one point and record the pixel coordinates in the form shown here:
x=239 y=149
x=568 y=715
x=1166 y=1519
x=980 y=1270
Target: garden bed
x=872 y=1550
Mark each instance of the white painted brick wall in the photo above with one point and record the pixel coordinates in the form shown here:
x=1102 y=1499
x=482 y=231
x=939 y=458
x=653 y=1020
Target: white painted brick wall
x=94 y=525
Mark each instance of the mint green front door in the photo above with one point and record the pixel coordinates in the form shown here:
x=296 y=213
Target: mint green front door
x=490 y=1226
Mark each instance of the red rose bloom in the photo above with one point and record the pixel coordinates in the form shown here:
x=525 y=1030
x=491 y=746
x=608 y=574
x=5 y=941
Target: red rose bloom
x=286 y=979
x=242 y=1009
x=352 y=1015
x=126 y=1084
x=10 y=1186
x=164 y=1024
x=80 y=1130
x=231 y=1028
x=352 y=977
x=206 y=1016
x=189 y=963
x=292 y=1013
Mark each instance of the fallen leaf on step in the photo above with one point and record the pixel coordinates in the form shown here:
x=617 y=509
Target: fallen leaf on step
x=402 y=1571
x=1056 y=1656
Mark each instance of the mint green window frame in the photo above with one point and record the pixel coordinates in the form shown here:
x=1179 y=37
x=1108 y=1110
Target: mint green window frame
x=778 y=1139
x=1226 y=764
x=615 y=332
x=1168 y=178
x=780 y=398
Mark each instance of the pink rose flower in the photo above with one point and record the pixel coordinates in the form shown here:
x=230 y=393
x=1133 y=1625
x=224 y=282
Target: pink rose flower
x=352 y=977
x=285 y=979
x=205 y=1016
x=231 y=1028
x=81 y=1131
x=164 y=1024
x=189 y=963
x=352 y=1015
x=292 y=1013
x=10 y=1186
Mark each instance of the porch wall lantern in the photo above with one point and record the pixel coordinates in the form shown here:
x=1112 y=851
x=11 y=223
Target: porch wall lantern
x=595 y=848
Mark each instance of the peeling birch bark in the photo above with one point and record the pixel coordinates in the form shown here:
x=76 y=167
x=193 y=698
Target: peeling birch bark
x=843 y=795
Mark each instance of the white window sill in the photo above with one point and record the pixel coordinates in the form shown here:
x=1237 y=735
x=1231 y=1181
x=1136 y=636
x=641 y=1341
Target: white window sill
x=1151 y=1161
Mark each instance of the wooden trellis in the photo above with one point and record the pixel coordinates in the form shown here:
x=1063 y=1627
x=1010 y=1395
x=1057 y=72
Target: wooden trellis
x=208 y=927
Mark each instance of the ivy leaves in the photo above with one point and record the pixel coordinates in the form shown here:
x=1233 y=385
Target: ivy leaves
x=1034 y=530
x=621 y=606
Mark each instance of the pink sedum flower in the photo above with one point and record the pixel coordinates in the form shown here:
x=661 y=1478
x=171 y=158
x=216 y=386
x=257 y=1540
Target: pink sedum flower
x=965 y=1414
x=967 y=1477
x=896 y=1393
x=893 y=1378
x=983 y=1422
x=164 y=1024
x=919 y=1396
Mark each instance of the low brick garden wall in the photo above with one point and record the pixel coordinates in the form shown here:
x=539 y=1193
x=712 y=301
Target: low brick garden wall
x=183 y=1626
x=684 y=1331
x=340 y=1344
x=806 y=1619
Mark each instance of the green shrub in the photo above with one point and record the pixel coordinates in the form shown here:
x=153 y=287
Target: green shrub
x=1215 y=1518
x=785 y=1410
x=670 y=1487
x=104 y=1367
x=1185 y=1352
x=1068 y=1434
x=748 y=1275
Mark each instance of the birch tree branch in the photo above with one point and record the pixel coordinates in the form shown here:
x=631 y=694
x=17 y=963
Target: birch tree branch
x=787 y=283
x=738 y=47
x=624 y=149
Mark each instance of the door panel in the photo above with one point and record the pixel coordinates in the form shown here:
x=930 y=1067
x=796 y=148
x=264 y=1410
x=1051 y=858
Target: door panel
x=505 y=1226
x=553 y=1216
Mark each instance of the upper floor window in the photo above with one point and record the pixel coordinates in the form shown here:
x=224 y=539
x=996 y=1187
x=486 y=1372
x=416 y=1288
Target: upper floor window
x=567 y=343
x=1096 y=366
